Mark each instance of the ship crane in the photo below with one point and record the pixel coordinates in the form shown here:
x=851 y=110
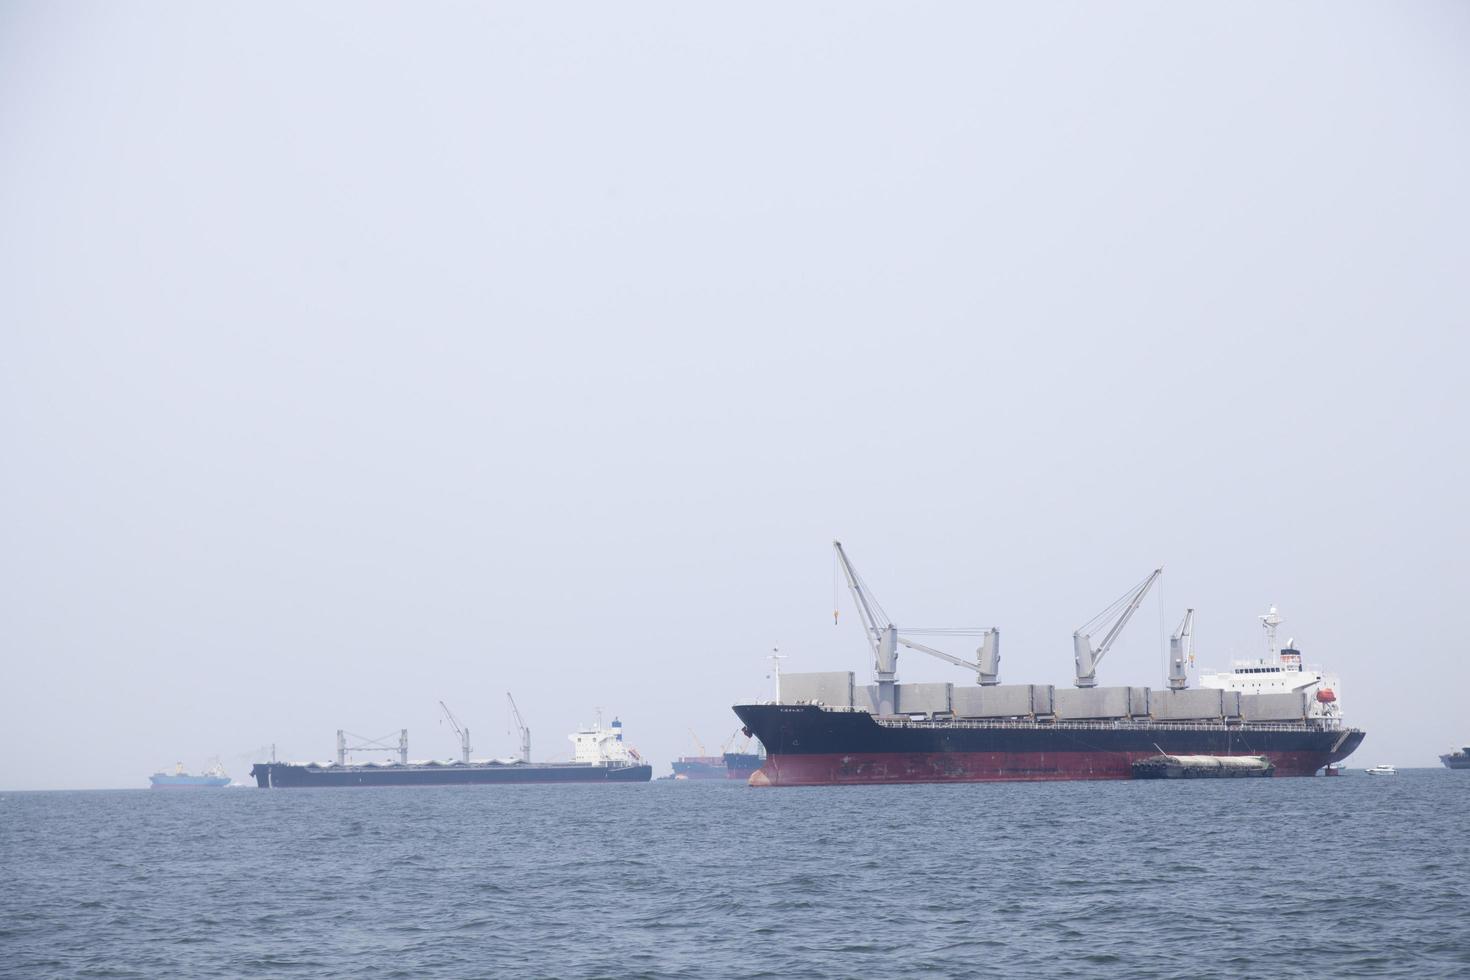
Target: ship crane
x=731 y=740
x=1181 y=652
x=521 y=726
x=884 y=639
x=463 y=733
x=989 y=651
x=364 y=744
x=1118 y=614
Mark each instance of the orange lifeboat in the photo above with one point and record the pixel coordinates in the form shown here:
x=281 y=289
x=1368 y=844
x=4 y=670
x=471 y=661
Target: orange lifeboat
x=1326 y=696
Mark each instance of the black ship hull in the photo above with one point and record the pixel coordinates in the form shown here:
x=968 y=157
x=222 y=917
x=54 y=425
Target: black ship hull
x=282 y=775
x=812 y=746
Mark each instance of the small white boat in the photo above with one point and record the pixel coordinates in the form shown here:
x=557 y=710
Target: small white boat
x=1382 y=770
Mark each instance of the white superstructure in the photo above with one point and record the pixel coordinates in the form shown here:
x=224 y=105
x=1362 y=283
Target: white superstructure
x=1281 y=671
x=599 y=746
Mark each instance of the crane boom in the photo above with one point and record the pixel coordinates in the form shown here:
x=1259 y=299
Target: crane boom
x=872 y=625
x=988 y=666
x=1181 y=650
x=1088 y=656
x=882 y=636
x=884 y=639
x=521 y=725
x=463 y=733
x=958 y=662
x=731 y=740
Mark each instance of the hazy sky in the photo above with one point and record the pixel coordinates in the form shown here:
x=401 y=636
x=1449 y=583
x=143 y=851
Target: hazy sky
x=357 y=356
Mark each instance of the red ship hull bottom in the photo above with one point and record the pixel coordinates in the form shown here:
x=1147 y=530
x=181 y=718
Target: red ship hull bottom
x=978 y=767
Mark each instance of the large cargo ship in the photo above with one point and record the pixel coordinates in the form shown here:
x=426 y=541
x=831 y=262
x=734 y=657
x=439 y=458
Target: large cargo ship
x=1457 y=760
x=825 y=729
x=212 y=778
x=599 y=756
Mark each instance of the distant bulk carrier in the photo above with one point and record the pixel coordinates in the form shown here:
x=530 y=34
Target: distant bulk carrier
x=826 y=729
x=599 y=756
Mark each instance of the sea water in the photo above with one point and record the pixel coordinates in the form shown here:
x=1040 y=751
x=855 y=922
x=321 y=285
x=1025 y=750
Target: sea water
x=1350 y=877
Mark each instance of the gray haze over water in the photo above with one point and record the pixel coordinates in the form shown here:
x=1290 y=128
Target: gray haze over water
x=358 y=356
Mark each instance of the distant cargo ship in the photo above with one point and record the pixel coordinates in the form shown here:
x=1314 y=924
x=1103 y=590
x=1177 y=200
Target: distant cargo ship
x=1457 y=760
x=740 y=765
x=212 y=778
x=699 y=767
x=730 y=765
x=824 y=729
x=599 y=756
x=727 y=765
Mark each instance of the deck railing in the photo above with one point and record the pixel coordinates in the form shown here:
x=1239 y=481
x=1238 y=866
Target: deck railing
x=1113 y=724
x=1101 y=724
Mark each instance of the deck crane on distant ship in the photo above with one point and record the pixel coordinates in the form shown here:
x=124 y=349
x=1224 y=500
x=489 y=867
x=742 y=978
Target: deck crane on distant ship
x=521 y=726
x=885 y=640
x=1122 y=610
x=463 y=733
x=1181 y=652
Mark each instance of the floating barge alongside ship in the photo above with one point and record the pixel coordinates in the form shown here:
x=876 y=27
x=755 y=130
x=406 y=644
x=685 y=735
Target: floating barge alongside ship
x=1202 y=767
x=826 y=729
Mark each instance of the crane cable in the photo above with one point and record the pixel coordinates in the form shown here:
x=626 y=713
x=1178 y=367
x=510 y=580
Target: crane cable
x=1163 y=646
x=1114 y=608
x=835 y=574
